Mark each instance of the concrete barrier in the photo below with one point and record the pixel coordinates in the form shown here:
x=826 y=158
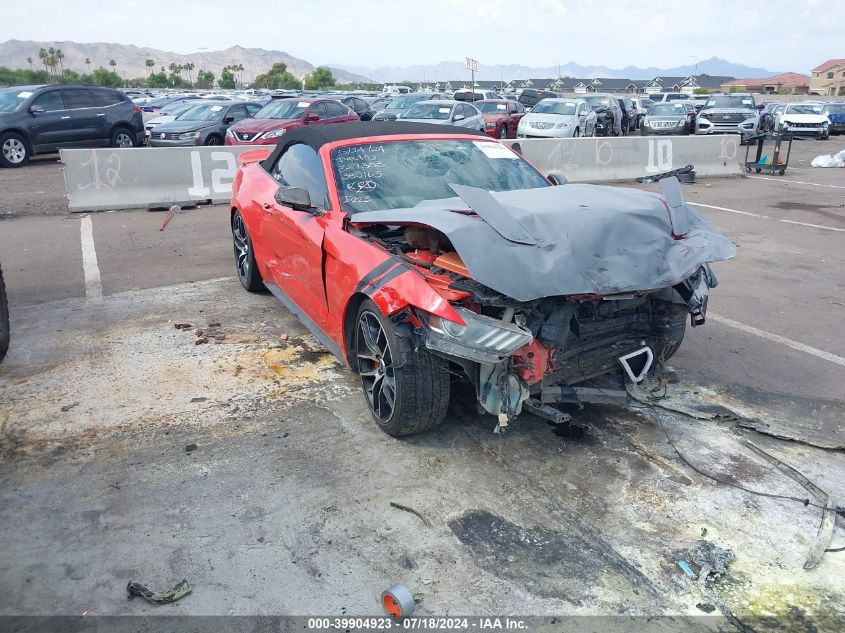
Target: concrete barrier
x=102 y=179
x=608 y=159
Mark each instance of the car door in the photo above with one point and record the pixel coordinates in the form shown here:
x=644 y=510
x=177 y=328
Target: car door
x=515 y=113
x=87 y=120
x=50 y=124
x=293 y=238
x=320 y=110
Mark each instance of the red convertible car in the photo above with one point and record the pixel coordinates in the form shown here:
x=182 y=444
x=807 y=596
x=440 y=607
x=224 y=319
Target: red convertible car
x=422 y=254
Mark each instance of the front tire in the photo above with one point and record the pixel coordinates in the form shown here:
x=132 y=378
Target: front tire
x=245 y=265
x=14 y=150
x=407 y=390
x=503 y=132
x=214 y=140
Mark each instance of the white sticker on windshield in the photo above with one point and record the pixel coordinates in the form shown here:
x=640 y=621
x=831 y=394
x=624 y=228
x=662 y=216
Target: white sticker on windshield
x=500 y=106
x=494 y=150
x=216 y=108
x=302 y=104
x=24 y=95
x=443 y=110
x=746 y=102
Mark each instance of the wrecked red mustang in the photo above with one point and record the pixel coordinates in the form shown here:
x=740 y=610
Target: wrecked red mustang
x=419 y=254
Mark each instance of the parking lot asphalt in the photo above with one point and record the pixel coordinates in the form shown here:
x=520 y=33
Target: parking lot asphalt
x=290 y=484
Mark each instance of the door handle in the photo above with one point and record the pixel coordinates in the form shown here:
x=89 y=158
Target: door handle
x=268 y=208
x=65 y=117
x=102 y=114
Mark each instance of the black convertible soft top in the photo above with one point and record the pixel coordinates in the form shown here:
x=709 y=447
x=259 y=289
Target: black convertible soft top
x=318 y=135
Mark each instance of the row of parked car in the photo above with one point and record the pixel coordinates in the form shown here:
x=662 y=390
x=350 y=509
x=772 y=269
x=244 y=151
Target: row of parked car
x=42 y=119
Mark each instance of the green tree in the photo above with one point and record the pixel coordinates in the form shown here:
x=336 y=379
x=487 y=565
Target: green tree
x=205 y=79
x=227 y=78
x=275 y=78
x=103 y=77
x=60 y=58
x=158 y=80
x=321 y=78
x=149 y=63
x=71 y=77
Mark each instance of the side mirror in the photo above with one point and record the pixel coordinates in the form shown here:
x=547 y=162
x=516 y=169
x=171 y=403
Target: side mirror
x=312 y=117
x=228 y=119
x=458 y=117
x=34 y=109
x=293 y=197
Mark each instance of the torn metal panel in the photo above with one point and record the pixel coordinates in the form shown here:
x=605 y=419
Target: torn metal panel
x=807 y=420
x=589 y=239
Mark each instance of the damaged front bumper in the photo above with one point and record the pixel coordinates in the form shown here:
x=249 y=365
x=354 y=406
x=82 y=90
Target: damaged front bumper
x=564 y=340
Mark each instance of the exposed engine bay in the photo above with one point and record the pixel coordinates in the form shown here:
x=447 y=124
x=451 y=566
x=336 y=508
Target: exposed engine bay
x=510 y=350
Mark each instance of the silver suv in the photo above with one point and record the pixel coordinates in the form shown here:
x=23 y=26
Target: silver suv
x=733 y=113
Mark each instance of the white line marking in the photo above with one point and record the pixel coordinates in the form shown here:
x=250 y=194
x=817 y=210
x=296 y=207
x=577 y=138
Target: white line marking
x=833 y=358
x=768 y=217
x=797 y=182
x=93 y=285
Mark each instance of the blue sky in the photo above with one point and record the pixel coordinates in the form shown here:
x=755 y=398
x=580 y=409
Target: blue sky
x=776 y=34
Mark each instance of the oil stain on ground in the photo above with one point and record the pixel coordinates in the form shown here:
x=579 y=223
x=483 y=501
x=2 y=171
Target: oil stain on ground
x=578 y=565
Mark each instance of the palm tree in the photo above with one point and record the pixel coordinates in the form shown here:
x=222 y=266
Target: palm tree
x=240 y=70
x=88 y=63
x=113 y=65
x=149 y=63
x=60 y=56
x=29 y=61
x=190 y=67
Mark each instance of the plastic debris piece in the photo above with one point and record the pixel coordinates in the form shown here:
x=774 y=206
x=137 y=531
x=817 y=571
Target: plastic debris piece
x=684 y=565
x=398 y=601
x=180 y=590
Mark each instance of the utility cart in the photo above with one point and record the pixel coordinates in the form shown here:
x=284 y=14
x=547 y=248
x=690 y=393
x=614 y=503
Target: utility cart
x=769 y=154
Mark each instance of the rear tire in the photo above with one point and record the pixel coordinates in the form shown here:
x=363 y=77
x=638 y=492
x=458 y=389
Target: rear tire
x=14 y=150
x=245 y=264
x=122 y=137
x=407 y=390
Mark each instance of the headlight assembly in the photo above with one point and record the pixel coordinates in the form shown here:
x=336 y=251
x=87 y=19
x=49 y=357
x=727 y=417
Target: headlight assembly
x=483 y=339
x=187 y=136
x=274 y=133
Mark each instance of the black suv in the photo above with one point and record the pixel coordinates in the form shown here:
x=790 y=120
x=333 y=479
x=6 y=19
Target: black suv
x=530 y=97
x=43 y=119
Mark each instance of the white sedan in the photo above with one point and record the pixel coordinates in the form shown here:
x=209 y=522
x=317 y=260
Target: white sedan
x=558 y=118
x=444 y=112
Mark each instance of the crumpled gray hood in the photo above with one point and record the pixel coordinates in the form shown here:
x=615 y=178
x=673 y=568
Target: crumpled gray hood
x=569 y=239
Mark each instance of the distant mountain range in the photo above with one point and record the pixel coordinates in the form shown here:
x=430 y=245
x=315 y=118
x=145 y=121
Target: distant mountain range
x=445 y=71
x=130 y=59
x=130 y=64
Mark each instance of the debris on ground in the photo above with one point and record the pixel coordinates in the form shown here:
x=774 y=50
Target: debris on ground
x=826 y=160
x=67 y=407
x=173 y=210
x=180 y=590
x=201 y=341
x=182 y=326
x=416 y=513
x=198 y=399
x=685 y=567
x=190 y=448
x=711 y=560
x=824 y=535
x=398 y=601
x=283 y=336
